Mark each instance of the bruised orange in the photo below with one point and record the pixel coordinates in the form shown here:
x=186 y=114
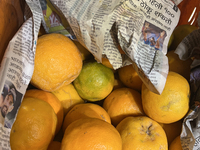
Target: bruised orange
x=142 y=133
x=172 y=104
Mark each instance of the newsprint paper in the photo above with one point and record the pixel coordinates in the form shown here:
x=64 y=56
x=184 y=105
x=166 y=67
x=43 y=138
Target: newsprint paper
x=142 y=29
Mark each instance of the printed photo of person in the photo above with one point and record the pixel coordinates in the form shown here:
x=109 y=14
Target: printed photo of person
x=153 y=36
x=9 y=97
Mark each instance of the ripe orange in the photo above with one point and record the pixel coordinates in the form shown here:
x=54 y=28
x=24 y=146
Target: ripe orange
x=142 y=133
x=68 y=97
x=52 y=100
x=57 y=62
x=85 y=53
x=34 y=127
x=176 y=144
x=91 y=134
x=54 y=145
x=179 y=66
x=130 y=77
x=85 y=110
x=172 y=104
x=107 y=63
x=123 y=102
x=95 y=81
x=172 y=130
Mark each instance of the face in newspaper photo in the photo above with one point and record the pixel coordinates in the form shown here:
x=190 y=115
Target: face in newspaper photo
x=8 y=106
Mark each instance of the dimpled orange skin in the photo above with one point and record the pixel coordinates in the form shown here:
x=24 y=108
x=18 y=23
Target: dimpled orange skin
x=123 y=102
x=142 y=133
x=173 y=103
x=52 y=100
x=57 y=62
x=91 y=134
x=85 y=110
x=34 y=127
x=130 y=77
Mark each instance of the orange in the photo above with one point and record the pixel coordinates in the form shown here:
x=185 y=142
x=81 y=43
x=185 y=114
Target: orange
x=172 y=130
x=68 y=97
x=172 y=104
x=142 y=133
x=34 y=127
x=179 y=33
x=58 y=62
x=95 y=81
x=130 y=77
x=179 y=66
x=176 y=144
x=107 y=63
x=85 y=53
x=52 y=100
x=85 y=110
x=123 y=102
x=91 y=134
x=54 y=145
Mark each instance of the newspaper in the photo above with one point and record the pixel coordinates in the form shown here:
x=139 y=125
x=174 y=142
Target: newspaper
x=17 y=68
x=142 y=29
x=189 y=48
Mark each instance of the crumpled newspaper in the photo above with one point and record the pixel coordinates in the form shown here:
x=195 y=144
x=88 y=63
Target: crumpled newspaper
x=189 y=48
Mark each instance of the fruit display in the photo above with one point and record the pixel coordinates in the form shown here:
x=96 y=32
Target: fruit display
x=78 y=103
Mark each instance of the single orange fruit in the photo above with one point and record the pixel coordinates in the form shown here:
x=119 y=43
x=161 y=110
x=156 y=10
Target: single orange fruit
x=107 y=63
x=172 y=130
x=89 y=134
x=54 y=145
x=58 y=62
x=172 y=104
x=52 y=100
x=179 y=66
x=176 y=144
x=34 y=127
x=68 y=97
x=142 y=133
x=95 y=81
x=123 y=102
x=85 y=110
x=85 y=53
x=130 y=77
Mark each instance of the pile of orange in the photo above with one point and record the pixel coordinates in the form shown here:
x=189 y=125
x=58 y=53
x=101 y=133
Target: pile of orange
x=88 y=105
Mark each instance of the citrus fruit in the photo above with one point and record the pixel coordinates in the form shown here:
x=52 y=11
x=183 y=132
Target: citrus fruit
x=179 y=66
x=121 y=103
x=176 y=144
x=85 y=53
x=52 y=100
x=54 y=145
x=85 y=110
x=142 y=133
x=34 y=127
x=130 y=78
x=57 y=62
x=179 y=33
x=91 y=134
x=172 y=104
x=107 y=63
x=95 y=81
x=68 y=97
x=172 y=130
